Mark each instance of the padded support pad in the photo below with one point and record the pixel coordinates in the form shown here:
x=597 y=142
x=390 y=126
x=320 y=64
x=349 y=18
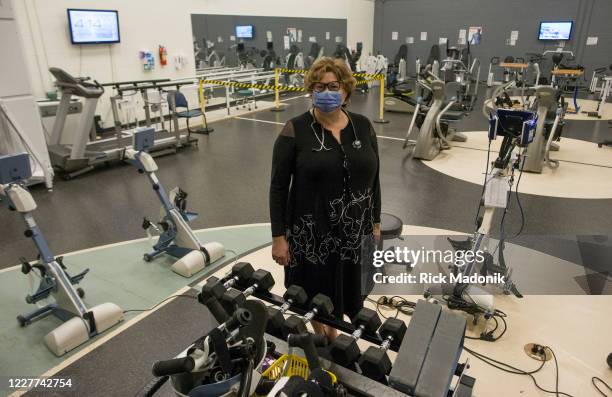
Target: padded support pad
x=190 y=264
x=106 y=315
x=441 y=361
x=75 y=331
x=408 y=365
x=67 y=336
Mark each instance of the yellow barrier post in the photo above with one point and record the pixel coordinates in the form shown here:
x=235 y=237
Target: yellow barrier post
x=277 y=106
x=205 y=129
x=381 y=105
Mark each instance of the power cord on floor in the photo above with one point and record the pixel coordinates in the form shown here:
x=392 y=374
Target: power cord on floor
x=593 y=379
x=456 y=303
x=176 y=296
x=517 y=371
x=397 y=303
x=159 y=303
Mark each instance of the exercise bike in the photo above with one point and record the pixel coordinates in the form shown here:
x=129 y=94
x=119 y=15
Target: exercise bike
x=518 y=129
x=79 y=322
x=176 y=238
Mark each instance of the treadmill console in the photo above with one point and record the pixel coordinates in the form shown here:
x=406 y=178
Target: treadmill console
x=76 y=86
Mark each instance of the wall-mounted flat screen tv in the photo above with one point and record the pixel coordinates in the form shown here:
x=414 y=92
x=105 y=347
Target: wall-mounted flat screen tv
x=93 y=26
x=555 y=30
x=244 y=32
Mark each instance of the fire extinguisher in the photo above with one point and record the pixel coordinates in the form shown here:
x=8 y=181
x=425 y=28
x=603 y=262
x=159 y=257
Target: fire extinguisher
x=163 y=55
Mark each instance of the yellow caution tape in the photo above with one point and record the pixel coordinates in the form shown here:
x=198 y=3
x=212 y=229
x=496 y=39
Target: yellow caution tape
x=366 y=78
x=367 y=75
x=284 y=70
x=252 y=85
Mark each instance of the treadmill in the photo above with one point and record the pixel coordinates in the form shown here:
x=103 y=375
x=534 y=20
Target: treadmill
x=83 y=151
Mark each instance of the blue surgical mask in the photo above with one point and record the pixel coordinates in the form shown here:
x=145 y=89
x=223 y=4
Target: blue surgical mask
x=327 y=101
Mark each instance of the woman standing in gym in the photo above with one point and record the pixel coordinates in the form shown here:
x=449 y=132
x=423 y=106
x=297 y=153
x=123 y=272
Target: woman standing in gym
x=325 y=193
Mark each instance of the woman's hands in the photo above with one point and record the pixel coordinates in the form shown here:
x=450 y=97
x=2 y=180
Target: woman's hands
x=376 y=232
x=280 y=250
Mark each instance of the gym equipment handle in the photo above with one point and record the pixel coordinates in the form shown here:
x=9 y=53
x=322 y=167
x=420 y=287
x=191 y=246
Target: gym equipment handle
x=308 y=342
x=173 y=366
x=216 y=310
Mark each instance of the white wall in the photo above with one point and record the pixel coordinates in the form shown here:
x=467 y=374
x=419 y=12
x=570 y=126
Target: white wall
x=145 y=24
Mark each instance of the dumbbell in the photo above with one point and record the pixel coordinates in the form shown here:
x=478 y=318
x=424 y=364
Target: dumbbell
x=294 y=296
x=375 y=362
x=241 y=273
x=344 y=350
x=261 y=280
x=321 y=305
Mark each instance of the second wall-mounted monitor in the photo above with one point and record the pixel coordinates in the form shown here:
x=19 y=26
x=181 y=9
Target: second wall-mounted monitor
x=244 y=31
x=93 y=26
x=560 y=30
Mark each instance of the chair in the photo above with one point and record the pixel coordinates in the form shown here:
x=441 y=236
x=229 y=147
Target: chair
x=181 y=102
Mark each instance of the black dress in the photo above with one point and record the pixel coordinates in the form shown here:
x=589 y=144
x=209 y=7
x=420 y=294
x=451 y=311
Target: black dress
x=325 y=198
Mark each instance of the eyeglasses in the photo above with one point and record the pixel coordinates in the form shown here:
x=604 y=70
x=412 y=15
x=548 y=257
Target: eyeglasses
x=332 y=86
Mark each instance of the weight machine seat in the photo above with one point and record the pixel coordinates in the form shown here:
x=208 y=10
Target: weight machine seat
x=390 y=226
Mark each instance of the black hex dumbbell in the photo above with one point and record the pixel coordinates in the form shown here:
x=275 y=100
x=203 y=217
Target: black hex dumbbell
x=241 y=273
x=321 y=306
x=261 y=280
x=344 y=350
x=294 y=296
x=375 y=362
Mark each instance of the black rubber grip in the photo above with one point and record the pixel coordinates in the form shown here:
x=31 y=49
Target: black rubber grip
x=173 y=366
x=216 y=310
x=307 y=343
x=298 y=340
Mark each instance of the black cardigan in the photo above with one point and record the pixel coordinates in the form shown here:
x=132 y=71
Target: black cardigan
x=333 y=191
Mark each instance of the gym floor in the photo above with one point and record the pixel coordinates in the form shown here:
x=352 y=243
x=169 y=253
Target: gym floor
x=227 y=178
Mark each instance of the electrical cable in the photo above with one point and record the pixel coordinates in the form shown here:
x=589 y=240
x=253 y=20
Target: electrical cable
x=159 y=303
x=517 y=371
x=397 y=303
x=518 y=201
x=484 y=185
x=593 y=379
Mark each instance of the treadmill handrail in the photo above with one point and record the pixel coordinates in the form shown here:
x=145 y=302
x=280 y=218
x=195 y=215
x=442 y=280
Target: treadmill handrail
x=176 y=84
x=134 y=82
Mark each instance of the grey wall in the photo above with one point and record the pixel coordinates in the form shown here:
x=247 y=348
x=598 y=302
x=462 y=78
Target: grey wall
x=212 y=26
x=444 y=18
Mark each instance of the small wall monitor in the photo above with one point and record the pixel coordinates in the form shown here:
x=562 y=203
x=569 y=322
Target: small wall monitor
x=244 y=31
x=561 y=30
x=93 y=26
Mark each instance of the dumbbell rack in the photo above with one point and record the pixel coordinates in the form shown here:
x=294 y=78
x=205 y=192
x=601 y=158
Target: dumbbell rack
x=362 y=386
x=355 y=383
x=339 y=325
